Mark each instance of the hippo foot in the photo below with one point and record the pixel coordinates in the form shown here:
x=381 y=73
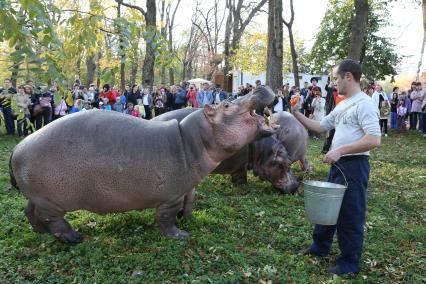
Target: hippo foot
x=70 y=237
x=175 y=234
x=36 y=223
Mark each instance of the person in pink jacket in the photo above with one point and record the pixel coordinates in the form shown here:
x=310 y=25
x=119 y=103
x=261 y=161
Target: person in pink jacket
x=192 y=96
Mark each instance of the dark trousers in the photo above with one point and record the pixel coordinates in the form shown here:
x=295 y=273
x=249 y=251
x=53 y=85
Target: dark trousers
x=384 y=126
x=424 y=122
x=148 y=114
x=350 y=224
x=8 y=120
x=393 y=120
x=23 y=126
x=47 y=115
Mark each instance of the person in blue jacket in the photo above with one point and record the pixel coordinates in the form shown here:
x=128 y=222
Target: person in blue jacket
x=204 y=96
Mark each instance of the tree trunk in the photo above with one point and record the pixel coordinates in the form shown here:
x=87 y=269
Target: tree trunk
x=133 y=72
x=424 y=41
x=149 y=61
x=99 y=71
x=274 y=61
x=91 y=68
x=359 y=24
x=163 y=32
x=226 y=52
x=294 y=57
x=171 y=70
x=122 y=53
x=78 y=67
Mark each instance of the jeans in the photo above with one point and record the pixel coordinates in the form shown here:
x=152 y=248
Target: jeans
x=23 y=126
x=424 y=122
x=8 y=120
x=413 y=123
x=350 y=224
x=393 y=120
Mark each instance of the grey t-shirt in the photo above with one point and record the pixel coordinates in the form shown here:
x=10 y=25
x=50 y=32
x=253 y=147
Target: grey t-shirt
x=353 y=118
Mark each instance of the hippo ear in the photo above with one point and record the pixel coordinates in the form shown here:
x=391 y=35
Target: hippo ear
x=209 y=111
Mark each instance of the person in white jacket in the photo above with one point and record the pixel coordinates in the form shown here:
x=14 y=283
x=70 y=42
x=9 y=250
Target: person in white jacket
x=318 y=107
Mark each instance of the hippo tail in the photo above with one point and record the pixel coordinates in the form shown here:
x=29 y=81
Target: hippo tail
x=12 y=176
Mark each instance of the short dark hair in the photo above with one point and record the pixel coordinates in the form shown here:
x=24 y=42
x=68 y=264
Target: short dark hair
x=395 y=88
x=418 y=84
x=351 y=66
x=7 y=79
x=314 y=78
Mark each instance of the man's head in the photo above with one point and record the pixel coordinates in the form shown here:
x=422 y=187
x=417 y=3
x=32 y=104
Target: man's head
x=347 y=76
x=305 y=85
x=314 y=81
x=7 y=83
x=258 y=83
x=206 y=86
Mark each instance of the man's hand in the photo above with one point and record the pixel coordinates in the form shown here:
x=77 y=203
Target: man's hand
x=332 y=156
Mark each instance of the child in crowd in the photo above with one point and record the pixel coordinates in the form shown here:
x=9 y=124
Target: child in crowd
x=23 y=102
x=129 y=108
x=60 y=109
x=135 y=112
x=384 y=114
x=401 y=115
x=78 y=106
x=141 y=108
x=105 y=104
x=118 y=105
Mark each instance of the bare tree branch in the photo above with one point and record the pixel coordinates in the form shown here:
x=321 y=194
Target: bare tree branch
x=132 y=6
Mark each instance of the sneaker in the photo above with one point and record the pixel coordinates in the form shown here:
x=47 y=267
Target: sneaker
x=338 y=271
x=307 y=251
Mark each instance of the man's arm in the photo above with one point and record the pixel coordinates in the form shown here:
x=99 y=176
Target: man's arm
x=310 y=124
x=366 y=143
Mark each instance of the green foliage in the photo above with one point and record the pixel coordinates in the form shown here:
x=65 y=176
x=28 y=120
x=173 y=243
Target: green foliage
x=27 y=26
x=248 y=234
x=378 y=57
x=251 y=55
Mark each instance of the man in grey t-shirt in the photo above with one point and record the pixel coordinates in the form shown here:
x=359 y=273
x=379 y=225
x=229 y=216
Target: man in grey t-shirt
x=356 y=121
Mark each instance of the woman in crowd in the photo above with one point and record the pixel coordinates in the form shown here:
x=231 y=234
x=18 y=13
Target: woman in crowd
x=159 y=103
x=23 y=101
x=147 y=103
x=318 y=108
x=394 y=106
x=192 y=96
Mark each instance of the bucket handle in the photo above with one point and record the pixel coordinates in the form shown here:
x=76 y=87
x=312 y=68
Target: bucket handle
x=346 y=182
x=307 y=175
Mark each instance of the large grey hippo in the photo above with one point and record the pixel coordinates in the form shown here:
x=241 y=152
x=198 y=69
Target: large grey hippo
x=270 y=158
x=107 y=162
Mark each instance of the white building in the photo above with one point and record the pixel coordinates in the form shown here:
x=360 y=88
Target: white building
x=240 y=78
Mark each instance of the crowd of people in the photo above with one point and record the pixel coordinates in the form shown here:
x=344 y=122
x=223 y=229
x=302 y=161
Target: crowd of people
x=33 y=107
x=29 y=107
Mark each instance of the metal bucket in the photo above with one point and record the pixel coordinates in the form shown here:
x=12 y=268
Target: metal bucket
x=323 y=200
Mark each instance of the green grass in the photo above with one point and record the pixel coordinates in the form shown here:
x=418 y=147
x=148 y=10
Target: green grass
x=249 y=234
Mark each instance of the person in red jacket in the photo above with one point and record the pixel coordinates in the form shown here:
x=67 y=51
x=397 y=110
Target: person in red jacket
x=109 y=94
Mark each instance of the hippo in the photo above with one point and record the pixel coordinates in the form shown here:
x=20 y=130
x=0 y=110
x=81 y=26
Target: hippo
x=270 y=158
x=108 y=162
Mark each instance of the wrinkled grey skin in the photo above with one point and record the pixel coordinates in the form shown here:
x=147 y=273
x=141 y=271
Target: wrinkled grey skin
x=270 y=158
x=108 y=162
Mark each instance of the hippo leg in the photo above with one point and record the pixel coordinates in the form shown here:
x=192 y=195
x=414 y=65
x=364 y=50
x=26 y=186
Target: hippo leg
x=239 y=177
x=36 y=223
x=188 y=204
x=304 y=166
x=56 y=225
x=166 y=218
